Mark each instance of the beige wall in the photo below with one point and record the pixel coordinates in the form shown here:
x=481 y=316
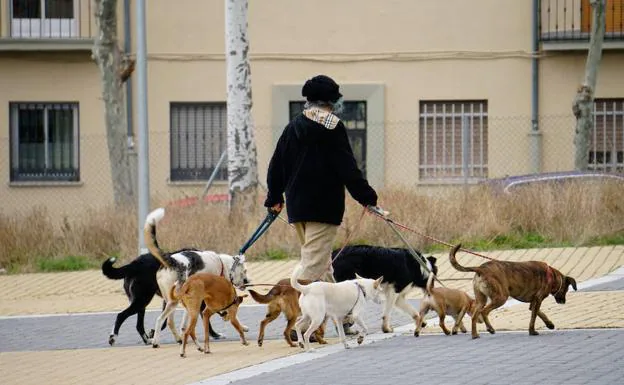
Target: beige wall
x=413 y=50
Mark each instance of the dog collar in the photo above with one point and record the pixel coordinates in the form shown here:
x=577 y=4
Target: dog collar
x=221 y=312
x=361 y=288
x=550 y=280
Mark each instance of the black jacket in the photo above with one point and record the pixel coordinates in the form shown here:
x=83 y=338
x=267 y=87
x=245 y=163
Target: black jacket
x=313 y=164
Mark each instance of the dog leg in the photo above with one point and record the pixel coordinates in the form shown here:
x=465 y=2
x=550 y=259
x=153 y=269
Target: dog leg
x=495 y=303
x=239 y=328
x=298 y=325
x=140 y=326
x=535 y=309
x=547 y=321
x=401 y=303
x=458 y=321
x=169 y=308
x=442 y=315
x=272 y=313
x=424 y=308
x=189 y=331
x=480 y=301
x=363 y=329
x=121 y=317
x=391 y=299
x=341 y=333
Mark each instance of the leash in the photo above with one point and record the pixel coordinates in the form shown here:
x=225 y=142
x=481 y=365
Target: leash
x=421 y=261
x=270 y=218
x=393 y=223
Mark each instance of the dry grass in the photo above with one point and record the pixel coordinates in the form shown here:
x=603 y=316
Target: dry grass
x=574 y=215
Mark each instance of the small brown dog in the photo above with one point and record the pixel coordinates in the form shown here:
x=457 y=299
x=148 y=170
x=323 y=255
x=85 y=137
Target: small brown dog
x=282 y=298
x=220 y=297
x=530 y=281
x=445 y=301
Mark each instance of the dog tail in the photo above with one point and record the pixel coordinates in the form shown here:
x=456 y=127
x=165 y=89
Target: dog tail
x=149 y=231
x=294 y=280
x=456 y=265
x=112 y=272
x=429 y=287
x=262 y=298
x=175 y=294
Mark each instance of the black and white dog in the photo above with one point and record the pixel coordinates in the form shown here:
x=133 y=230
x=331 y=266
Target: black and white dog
x=140 y=286
x=177 y=267
x=400 y=270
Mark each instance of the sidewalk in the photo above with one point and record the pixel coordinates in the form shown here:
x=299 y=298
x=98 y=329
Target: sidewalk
x=90 y=291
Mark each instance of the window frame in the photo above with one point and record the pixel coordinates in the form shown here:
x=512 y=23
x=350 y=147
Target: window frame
x=44 y=26
x=453 y=171
x=16 y=175
x=178 y=174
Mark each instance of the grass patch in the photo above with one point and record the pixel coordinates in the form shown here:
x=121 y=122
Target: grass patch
x=275 y=255
x=68 y=263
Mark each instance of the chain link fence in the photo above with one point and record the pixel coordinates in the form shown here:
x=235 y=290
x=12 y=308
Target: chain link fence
x=415 y=155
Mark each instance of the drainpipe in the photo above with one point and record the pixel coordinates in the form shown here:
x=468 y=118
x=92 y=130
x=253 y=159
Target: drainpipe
x=128 y=51
x=535 y=136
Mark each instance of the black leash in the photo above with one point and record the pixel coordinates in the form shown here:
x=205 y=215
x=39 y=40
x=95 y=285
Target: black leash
x=270 y=218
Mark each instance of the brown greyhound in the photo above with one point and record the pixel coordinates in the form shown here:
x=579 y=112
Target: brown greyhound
x=530 y=281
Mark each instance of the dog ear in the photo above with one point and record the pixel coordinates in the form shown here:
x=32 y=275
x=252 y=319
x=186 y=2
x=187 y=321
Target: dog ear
x=357 y=276
x=432 y=259
x=377 y=282
x=571 y=281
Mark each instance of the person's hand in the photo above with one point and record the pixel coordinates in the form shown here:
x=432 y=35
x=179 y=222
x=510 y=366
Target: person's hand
x=276 y=208
x=378 y=210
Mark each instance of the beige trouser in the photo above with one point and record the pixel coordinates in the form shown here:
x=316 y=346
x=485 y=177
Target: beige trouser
x=317 y=240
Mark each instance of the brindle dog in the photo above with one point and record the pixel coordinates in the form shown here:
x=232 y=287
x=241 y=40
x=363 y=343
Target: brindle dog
x=530 y=281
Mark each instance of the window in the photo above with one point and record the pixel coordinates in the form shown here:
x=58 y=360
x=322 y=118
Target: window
x=198 y=139
x=354 y=118
x=453 y=140
x=44 y=142
x=43 y=18
x=606 y=146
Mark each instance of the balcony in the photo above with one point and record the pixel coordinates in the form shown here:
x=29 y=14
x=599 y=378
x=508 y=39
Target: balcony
x=566 y=24
x=46 y=25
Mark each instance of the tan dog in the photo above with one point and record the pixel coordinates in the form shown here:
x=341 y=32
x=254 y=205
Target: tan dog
x=530 y=281
x=445 y=301
x=282 y=298
x=220 y=297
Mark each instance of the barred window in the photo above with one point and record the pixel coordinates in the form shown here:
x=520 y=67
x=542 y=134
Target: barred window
x=606 y=146
x=354 y=118
x=198 y=139
x=453 y=140
x=44 y=142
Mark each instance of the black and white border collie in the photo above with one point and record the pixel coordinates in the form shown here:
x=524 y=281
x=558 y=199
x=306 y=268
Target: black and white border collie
x=400 y=270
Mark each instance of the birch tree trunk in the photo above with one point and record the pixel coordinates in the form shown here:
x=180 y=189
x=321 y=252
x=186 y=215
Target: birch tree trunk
x=114 y=70
x=584 y=100
x=241 y=144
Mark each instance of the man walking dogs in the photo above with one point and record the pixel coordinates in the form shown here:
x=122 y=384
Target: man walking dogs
x=312 y=164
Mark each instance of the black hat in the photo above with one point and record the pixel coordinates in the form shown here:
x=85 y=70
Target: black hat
x=321 y=88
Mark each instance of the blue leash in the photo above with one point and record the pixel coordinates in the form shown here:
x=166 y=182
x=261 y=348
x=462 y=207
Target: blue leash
x=271 y=216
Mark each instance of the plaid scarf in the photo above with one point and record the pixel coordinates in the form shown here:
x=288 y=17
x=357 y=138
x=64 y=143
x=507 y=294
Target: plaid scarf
x=322 y=117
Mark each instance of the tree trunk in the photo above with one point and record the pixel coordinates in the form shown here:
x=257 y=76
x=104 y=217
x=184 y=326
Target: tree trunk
x=241 y=145
x=584 y=100
x=114 y=70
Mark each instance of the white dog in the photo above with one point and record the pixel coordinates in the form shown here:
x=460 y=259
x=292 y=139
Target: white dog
x=336 y=300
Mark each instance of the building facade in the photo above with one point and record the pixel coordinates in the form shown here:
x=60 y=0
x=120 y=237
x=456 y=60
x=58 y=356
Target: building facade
x=436 y=93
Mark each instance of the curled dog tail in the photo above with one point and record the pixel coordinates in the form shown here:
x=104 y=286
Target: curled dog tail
x=149 y=231
x=176 y=294
x=294 y=282
x=456 y=265
x=262 y=298
x=112 y=272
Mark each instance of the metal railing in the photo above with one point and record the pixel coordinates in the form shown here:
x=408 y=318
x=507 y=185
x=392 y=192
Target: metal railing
x=571 y=20
x=47 y=19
